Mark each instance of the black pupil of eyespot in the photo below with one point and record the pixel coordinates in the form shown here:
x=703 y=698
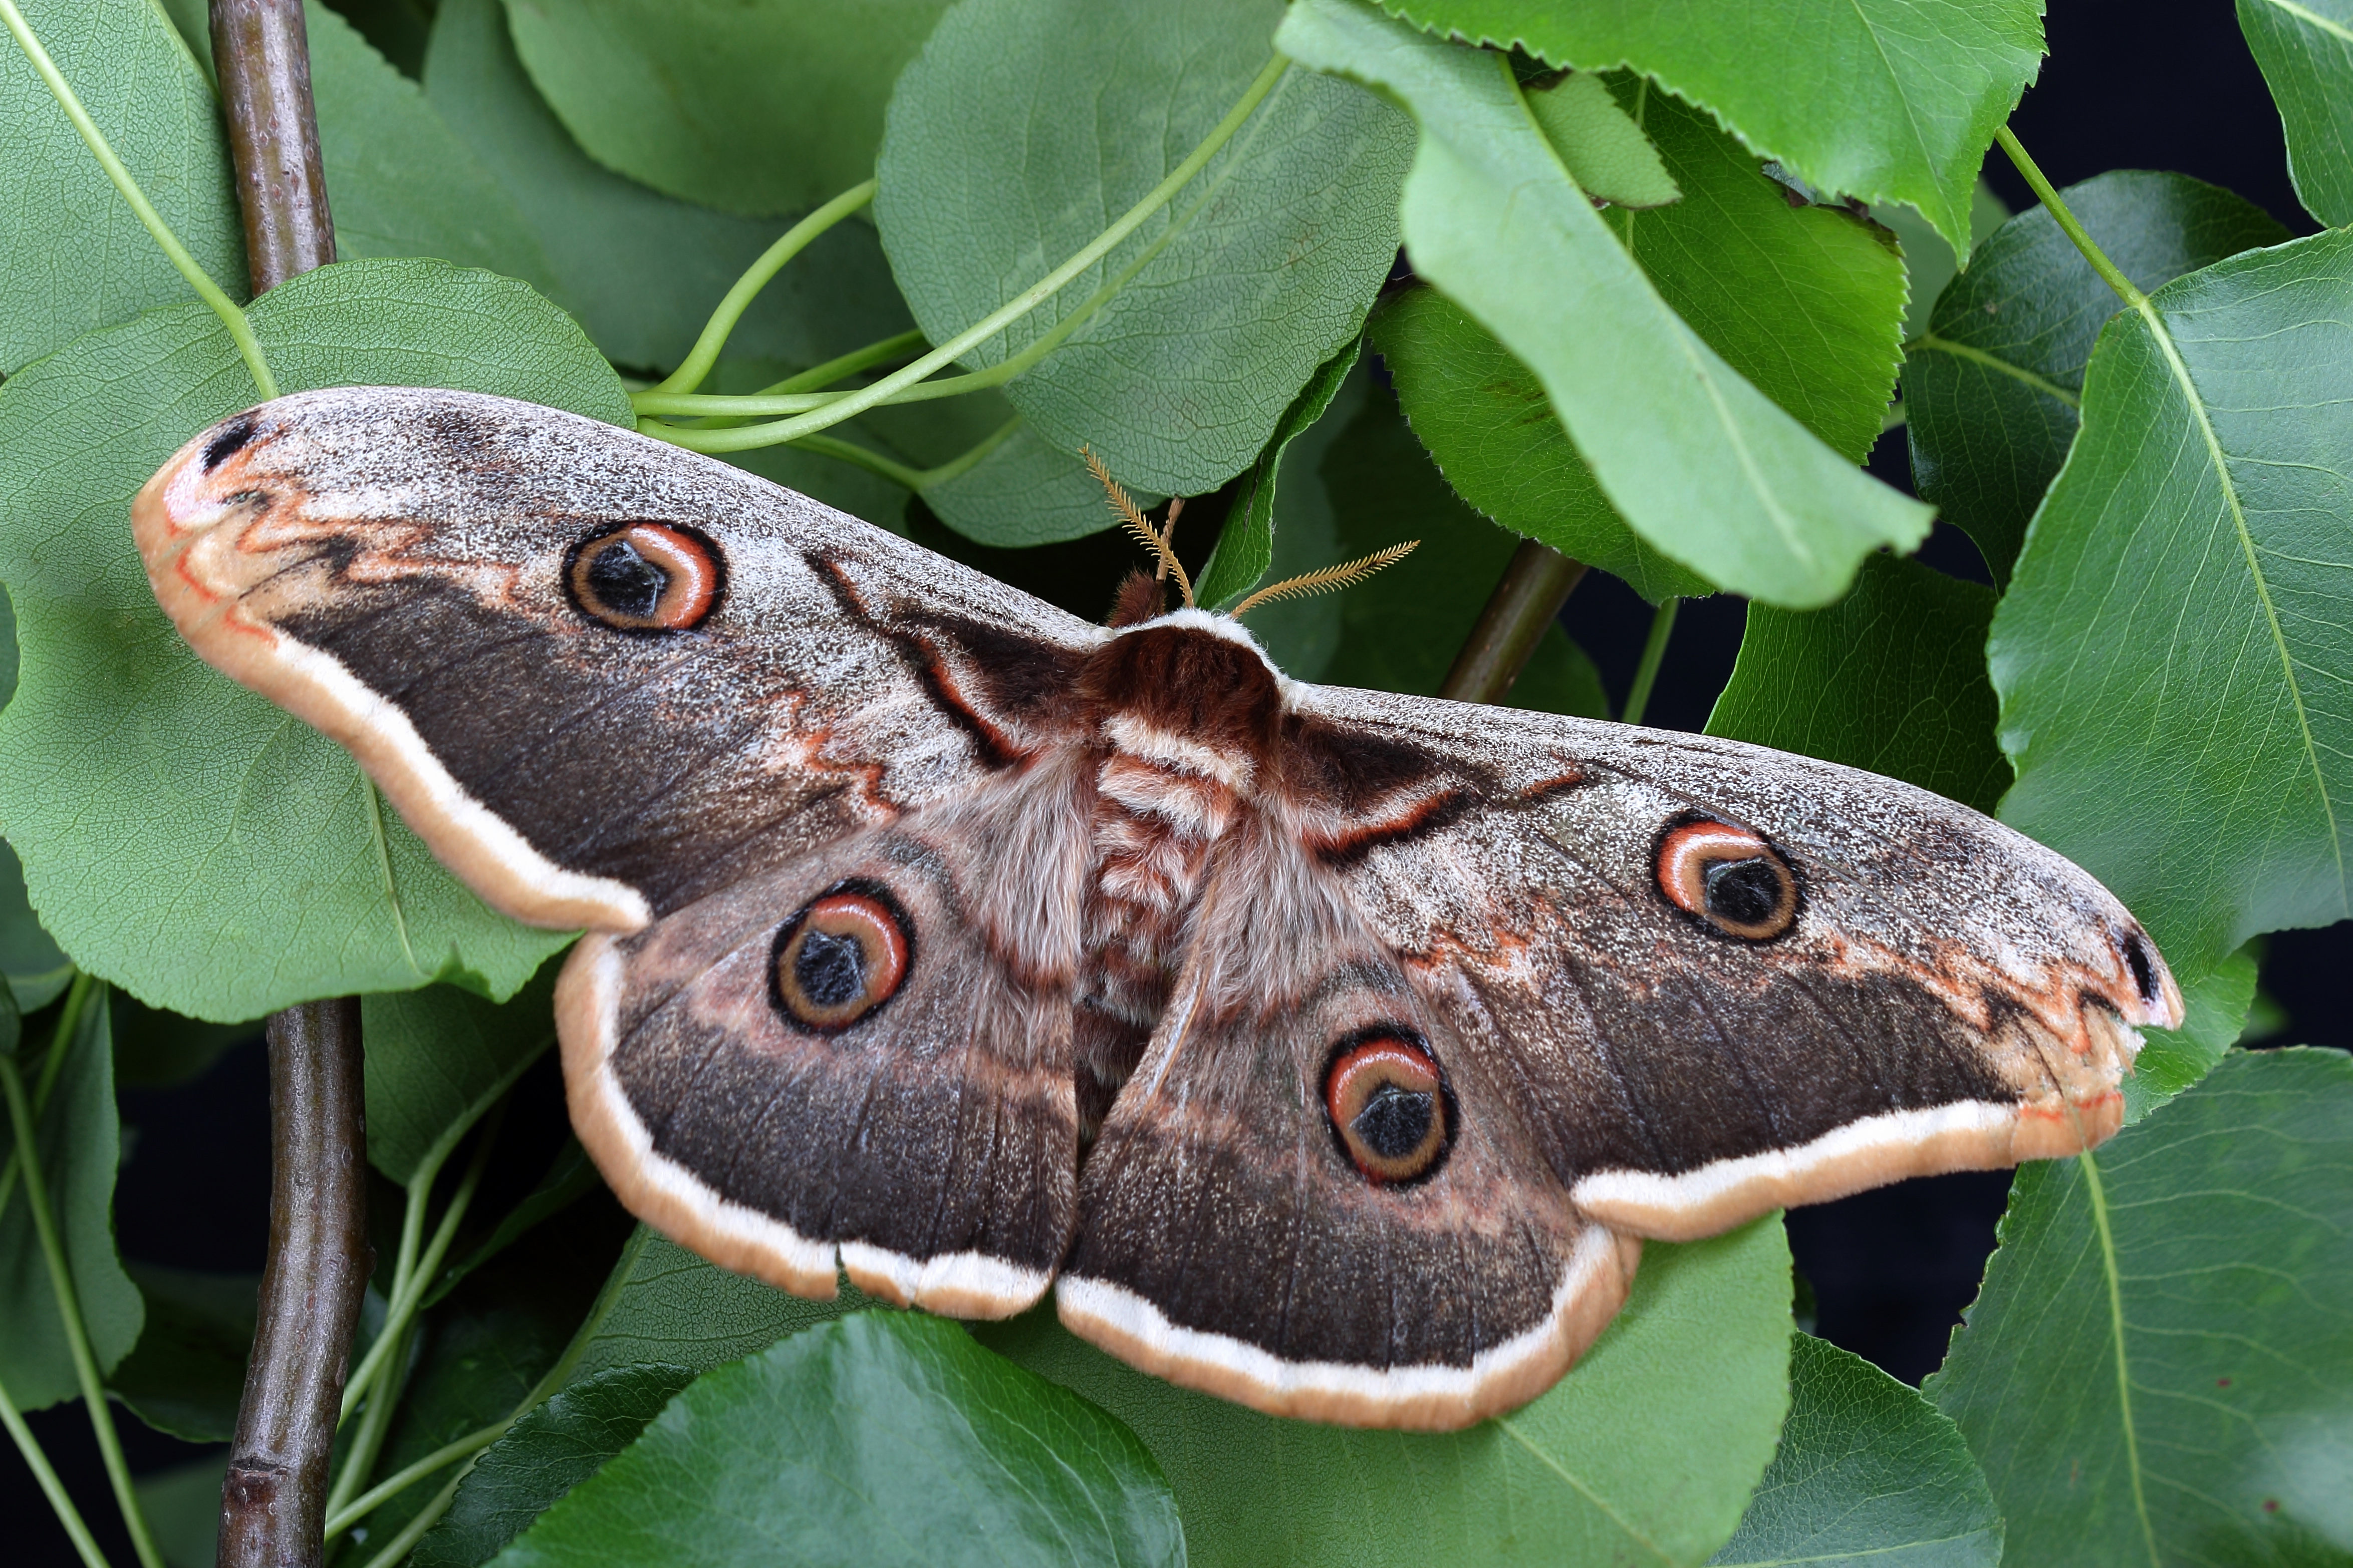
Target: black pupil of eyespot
x=625 y=582
x=1743 y=892
x=1395 y=1120
x=830 y=969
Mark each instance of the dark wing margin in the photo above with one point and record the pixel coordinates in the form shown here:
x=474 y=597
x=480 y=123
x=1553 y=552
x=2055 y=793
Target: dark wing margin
x=1948 y=994
x=397 y=567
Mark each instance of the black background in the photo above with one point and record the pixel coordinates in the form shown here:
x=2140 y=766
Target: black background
x=2163 y=86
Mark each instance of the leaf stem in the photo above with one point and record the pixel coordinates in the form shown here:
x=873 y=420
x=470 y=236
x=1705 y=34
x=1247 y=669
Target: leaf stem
x=368 y=1441
x=1534 y=587
x=2110 y=273
x=747 y=437
x=60 y=1502
x=424 y=1519
x=796 y=239
x=408 y=1293
x=53 y=1253
x=240 y=330
x=68 y=1020
x=344 y=1516
x=1655 y=653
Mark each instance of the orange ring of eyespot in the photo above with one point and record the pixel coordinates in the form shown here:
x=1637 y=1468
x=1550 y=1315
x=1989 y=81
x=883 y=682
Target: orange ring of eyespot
x=1359 y=1071
x=689 y=567
x=884 y=948
x=1694 y=859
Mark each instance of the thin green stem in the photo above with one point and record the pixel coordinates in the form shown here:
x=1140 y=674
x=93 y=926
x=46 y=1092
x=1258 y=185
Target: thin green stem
x=747 y=437
x=796 y=239
x=1893 y=419
x=408 y=1293
x=51 y=1488
x=873 y=462
x=341 y=1516
x=368 y=1441
x=2110 y=273
x=53 y=1252
x=1655 y=653
x=414 y=1531
x=240 y=330
x=897 y=346
x=68 y=1020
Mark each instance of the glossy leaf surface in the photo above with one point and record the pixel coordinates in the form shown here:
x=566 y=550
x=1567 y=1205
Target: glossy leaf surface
x=1917 y=86
x=768 y=107
x=1868 y=1472
x=2158 y=1368
x=1695 y=460
x=74 y=256
x=1890 y=679
x=1645 y=1452
x=2306 y=47
x=2173 y=655
x=892 y=1431
x=1225 y=300
x=1992 y=386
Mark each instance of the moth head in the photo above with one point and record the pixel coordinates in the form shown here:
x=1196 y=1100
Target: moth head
x=645 y=577
x=840 y=957
x=1730 y=878
x=1389 y=1105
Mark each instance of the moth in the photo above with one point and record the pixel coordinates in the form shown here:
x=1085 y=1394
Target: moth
x=1332 y=1052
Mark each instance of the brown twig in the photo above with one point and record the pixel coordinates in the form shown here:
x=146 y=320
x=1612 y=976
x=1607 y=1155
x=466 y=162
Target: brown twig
x=1534 y=587
x=274 y=1497
x=263 y=56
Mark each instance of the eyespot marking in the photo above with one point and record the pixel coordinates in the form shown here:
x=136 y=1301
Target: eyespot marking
x=645 y=577
x=1729 y=877
x=230 y=440
x=1390 y=1106
x=841 y=956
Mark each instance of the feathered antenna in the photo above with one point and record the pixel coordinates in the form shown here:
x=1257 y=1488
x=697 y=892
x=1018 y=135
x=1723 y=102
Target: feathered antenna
x=1141 y=526
x=1328 y=579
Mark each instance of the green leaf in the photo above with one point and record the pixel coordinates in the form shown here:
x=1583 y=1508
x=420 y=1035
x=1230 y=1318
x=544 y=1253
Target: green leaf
x=1227 y=298
x=664 y=1304
x=2215 y=1007
x=641 y=270
x=759 y=107
x=541 y=1458
x=158 y=1049
x=893 y=1432
x=401 y=182
x=1867 y=1472
x=2158 y=1368
x=1644 y=1453
x=438 y=1057
x=181 y=835
x=1804 y=301
x=186 y=1374
x=36 y=967
x=1928 y=261
x=1991 y=388
x=2172 y=652
x=1356 y=481
x=2306 y=49
x=74 y=256
x=1885 y=99
x=81 y=1148
x=1604 y=147
x=1693 y=458
x=1245 y=546
x=489 y=1345
x=1485 y=420
x=182 y=1506
x=1022 y=490
x=1891 y=678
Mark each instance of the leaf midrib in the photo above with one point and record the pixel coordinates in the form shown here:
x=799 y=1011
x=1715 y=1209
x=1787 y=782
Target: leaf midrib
x=2109 y=1273
x=1995 y=362
x=1626 y=1525
x=2214 y=454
